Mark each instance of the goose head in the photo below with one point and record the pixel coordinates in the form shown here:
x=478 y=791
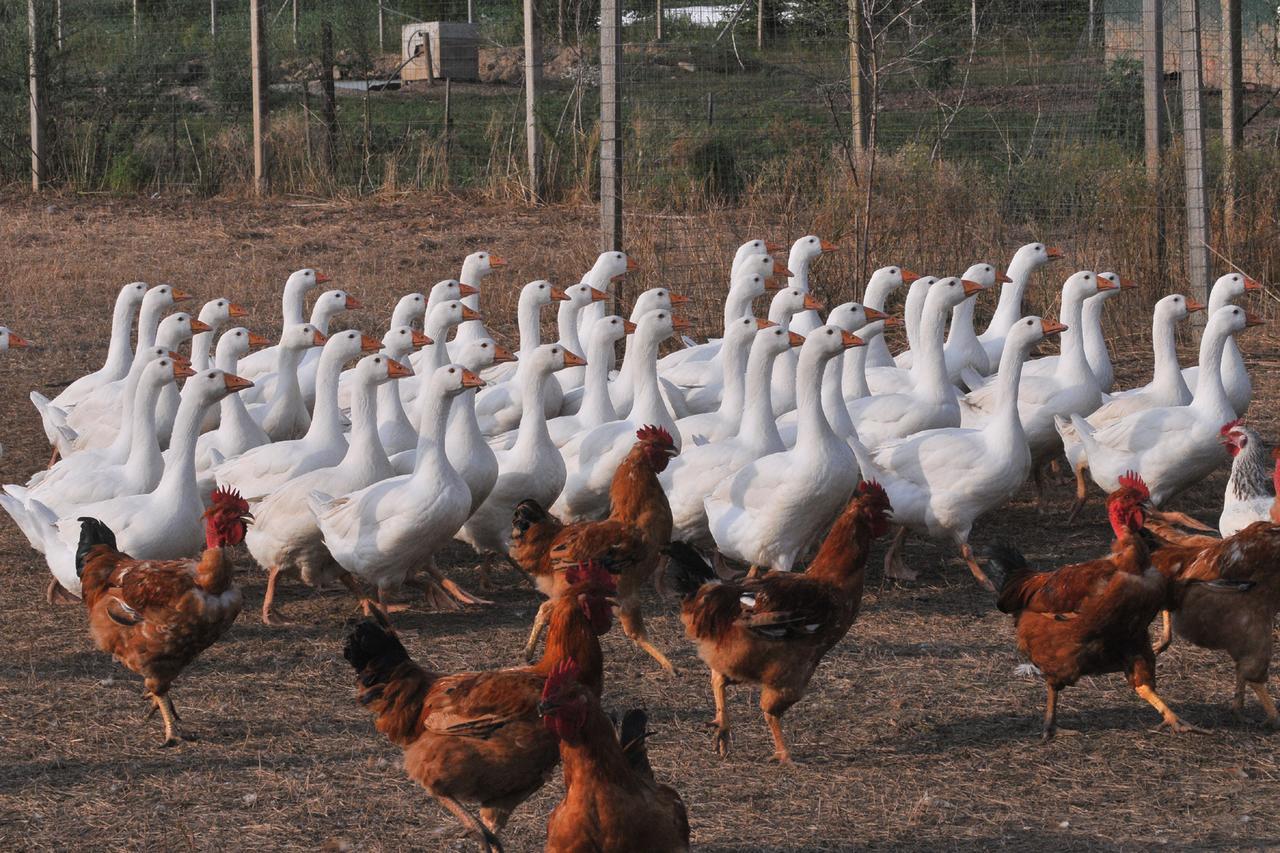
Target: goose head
x=479 y=353
x=1175 y=306
x=303 y=281
x=177 y=329
x=1030 y=330
x=582 y=294
x=540 y=292
x=410 y=308
x=9 y=339
x=448 y=290
x=826 y=342
x=162 y=371
x=655 y=299
x=343 y=346
x=855 y=317
x=658 y=325
x=132 y=294
x=217 y=313
x=330 y=304
x=1120 y=283
x=610 y=329
x=209 y=386
x=810 y=246
x=481 y=264
x=791 y=301
x=754 y=247
x=767 y=266
x=609 y=266
x=739 y=334
x=1231 y=319
x=947 y=293
x=399 y=341
x=1232 y=286
x=985 y=275
x=548 y=358
x=163 y=296
x=235 y=344
x=302 y=336
x=1083 y=284
x=774 y=340
x=1031 y=257
x=445 y=316
x=890 y=278
x=451 y=380
x=376 y=369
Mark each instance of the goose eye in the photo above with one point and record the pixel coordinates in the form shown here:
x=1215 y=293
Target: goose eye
x=451 y=370
x=1088 y=278
x=1029 y=323
x=484 y=346
x=212 y=376
x=164 y=363
x=377 y=361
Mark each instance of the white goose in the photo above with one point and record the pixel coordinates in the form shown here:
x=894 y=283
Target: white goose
x=475 y=268
x=284 y=415
x=608 y=268
x=465 y=444
x=499 y=406
x=592 y=457
x=1165 y=389
x=597 y=407
x=534 y=296
x=532 y=468
x=1235 y=376
x=579 y=297
x=328 y=305
x=385 y=531
x=237 y=431
x=215 y=314
x=622 y=387
x=725 y=420
x=284 y=538
x=293 y=307
x=940 y=481
x=410 y=312
x=786 y=304
x=261 y=470
x=964 y=350
x=396 y=432
x=1171 y=448
x=440 y=319
x=1095 y=341
x=889 y=379
x=163 y=524
x=882 y=283
x=1026 y=260
x=803 y=253
x=772 y=510
x=449 y=290
x=692 y=475
x=119 y=355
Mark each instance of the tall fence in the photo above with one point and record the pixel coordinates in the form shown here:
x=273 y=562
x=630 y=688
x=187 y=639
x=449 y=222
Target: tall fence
x=933 y=131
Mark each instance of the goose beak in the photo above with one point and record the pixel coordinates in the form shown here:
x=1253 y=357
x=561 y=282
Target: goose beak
x=680 y=324
x=234 y=310
x=199 y=326
x=421 y=340
x=495 y=262
x=773 y=285
x=794 y=339
x=467 y=290
x=829 y=246
x=1003 y=278
x=1054 y=253
x=182 y=371
x=179 y=295
x=1105 y=284
x=236 y=383
x=1128 y=284
x=598 y=295
x=628 y=327
x=16 y=342
x=1193 y=305
x=780 y=270
x=353 y=304
x=318 y=338
x=894 y=322
x=1251 y=284
x=773 y=247
x=469 y=314
x=1251 y=320
x=908 y=276
x=631 y=264
x=396 y=370
x=971 y=288
x=256 y=340
x=1050 y=326
x=321 y=278
x=502 y=355
x=368 y=344
x=677 y=298
x=558 y=295
x=179 y=358
x=764 y=324
x=572 y=359
x=850 y=340
x=873 y=315
x=811 y=303
x=470 y=380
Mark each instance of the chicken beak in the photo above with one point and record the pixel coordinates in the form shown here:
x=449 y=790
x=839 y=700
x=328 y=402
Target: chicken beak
x=368 y=344
x=179 y=358
x=234 y=310
x=396 y=370
x=1105 y=285
x=1128 y=284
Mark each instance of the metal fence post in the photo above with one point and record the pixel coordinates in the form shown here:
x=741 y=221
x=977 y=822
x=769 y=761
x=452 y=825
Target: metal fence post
x=258 y=68
x=1232 y=82
x=213 y=18
x=294 y=25
x=381 y=49
x=34 y=69
x=1153 y=112
x=532 y=82
x=657 y=20
x=1193 y=143
x=611 y=125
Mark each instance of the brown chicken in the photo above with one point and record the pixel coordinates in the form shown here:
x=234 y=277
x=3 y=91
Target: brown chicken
x=476 y=736
x=611 y=801
x=1091 y=618
x=1226 y=596
x=156 y=616
x=773 y=630
x=628 y=542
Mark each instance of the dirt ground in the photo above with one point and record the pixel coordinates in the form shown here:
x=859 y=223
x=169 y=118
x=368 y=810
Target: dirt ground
x=917 y=733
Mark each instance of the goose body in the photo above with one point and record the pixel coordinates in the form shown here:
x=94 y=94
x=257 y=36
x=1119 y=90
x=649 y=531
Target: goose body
x=1235 y=376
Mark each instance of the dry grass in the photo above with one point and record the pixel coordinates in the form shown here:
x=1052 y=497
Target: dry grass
x=917 y=734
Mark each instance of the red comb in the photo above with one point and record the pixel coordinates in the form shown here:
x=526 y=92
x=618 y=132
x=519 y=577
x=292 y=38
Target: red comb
x=1230 y=425
x=656 y=434
x=225 y=496
x=1131 y=480
x=871 y=487
x=592 y=572
x=562 y=675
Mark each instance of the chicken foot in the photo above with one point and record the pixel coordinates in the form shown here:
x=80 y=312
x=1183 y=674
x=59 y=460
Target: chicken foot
x=172 y=735
x=633 y=626
x=1175 y=724
x=723 y=739
x=490 y=842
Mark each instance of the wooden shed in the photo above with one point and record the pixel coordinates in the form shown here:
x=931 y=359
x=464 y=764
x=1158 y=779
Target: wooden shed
x=454 y=50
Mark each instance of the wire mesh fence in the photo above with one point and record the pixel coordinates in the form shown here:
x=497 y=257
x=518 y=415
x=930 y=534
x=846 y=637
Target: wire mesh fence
x=986 y=122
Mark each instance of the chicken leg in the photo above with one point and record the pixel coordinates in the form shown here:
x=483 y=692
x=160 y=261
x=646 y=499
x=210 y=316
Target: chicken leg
x=718 y=684
x=1082 y=494
x=172 y=736
x=490 y=842
x=1171 y=719
x=1268 y=704
x=966 y=552
x=633 y=626
x=539 y=623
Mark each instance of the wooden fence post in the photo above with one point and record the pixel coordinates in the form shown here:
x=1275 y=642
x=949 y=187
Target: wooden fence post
x=532 y=83
x=294 y=25
x=1153 y=115
x=1193 y=144
x=657 y=22
x=261 y=116
x=35 y=71
x=858 y=100
x=330 y=100
x=1232 y=80
x=611 y=125
x=213 y=18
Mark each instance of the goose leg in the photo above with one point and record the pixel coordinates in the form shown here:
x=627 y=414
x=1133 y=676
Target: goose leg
x=966 y=552
x=1082 y=494
x=271 y=614
x=893 y=565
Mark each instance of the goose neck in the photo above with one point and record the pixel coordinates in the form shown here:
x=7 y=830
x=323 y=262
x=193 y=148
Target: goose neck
x=533 y=414
x=929 y=368
x=853 y=382
x=759 y=427
x=1006 y=425
x=326 y=422
x=813 y=430
x=567 y=326
x=529 y=325
x=364 y=444
x=962 y=321
x=142 y=422
x=1072 y=363
x=179 y=479
x=1210 y=393
x=1009 y=306
x=734 y=364
x=433 y=418
x=293 y=304
x=644 y=377
x=738 y=303
x=597 y=405
x=118 y=354
x=1164 y=345
x=148 y=325
x=200 y=348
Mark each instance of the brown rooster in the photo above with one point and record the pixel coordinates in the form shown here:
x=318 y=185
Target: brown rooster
x=628 y=542
x=1091 y=618
x=774 y=630
x=611 y=801
x=476 y=736
x=156 y=616
x=1226 y=596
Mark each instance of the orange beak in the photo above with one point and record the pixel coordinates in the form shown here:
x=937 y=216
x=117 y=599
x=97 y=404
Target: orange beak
x=764 y=324
x=1104 y=285
x=502 y=355
x=873 y=315
x=631 y=264
x=628 y=327
x=368 y=344
x=780 y=269
x=558 y=295
x=598 y=295
x=811 y=303
x=470 y=380
x=198 y=326
x=256 y=340
x=467 y=290
x=676 y=298
x=1251 y=284
x=971 y=287
x=794 y=339
x=468 y=314
x=772 y=285
x=1128 y=284
x=1193 y=306
x=850 y=340
x=319 y=338
x=396 y=370
x=894 y=322
x=421 y=340
x=179 y=357
x=1054 y=253
x=1251 y=320
x=572 y=359
x=679 y=324
x=829 y=246
x=182 y=371
x=495 y=262
x=908 y=276
x=1051 y=327
x=1003 y=278
x=353 y=304
x=321 y=278
x=15 y=341
x=235 y=310
x=774 y=248
x=236 y=383
x=179 y=295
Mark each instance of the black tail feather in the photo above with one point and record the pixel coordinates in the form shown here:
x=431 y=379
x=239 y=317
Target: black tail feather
x=1010 y=568
x=686 y=571
x=92 y=533
x=528 y=513
x=373 y=648
x=632 y=734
